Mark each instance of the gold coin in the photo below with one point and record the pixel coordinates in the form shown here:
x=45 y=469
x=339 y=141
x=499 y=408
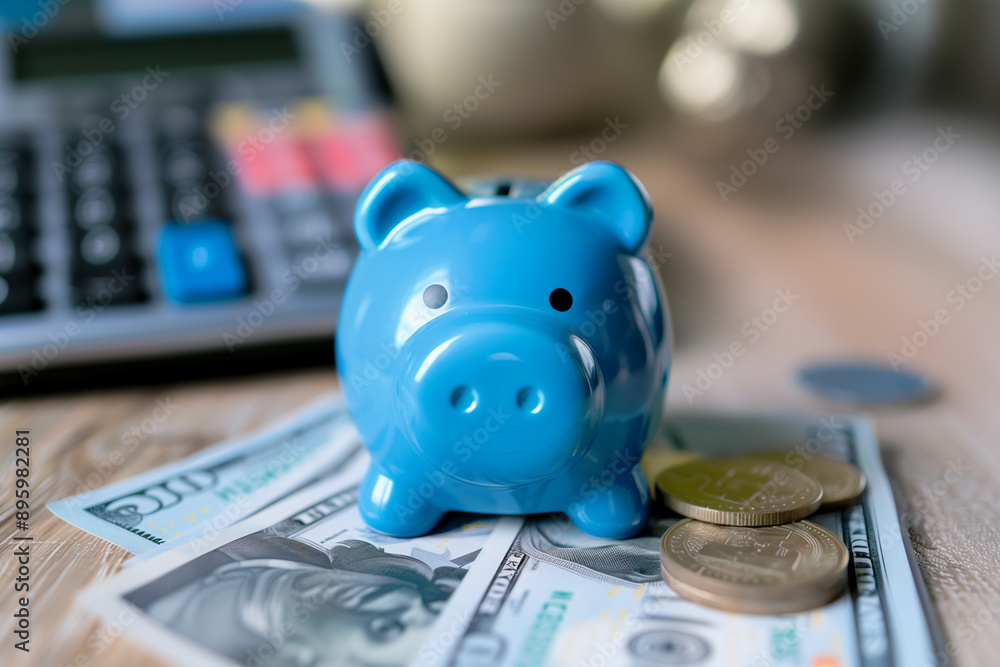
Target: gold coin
x=771 y=570
x=758 y=605
x=842 y=483
x=657 y=459
x=739 y=491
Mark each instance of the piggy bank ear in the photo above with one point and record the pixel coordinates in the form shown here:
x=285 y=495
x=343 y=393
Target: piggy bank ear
x=610 y=191
x=402 y=190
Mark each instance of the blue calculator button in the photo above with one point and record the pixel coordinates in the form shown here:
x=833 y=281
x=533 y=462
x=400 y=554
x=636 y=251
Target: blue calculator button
x=200 y=262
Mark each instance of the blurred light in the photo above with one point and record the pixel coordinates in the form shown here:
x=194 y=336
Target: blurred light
x=765 y=27
x=706 y=85
x=761 y=27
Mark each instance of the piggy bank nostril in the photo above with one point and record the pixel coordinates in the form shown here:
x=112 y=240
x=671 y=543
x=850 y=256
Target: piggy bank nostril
x=464 y=398
x=530 y=400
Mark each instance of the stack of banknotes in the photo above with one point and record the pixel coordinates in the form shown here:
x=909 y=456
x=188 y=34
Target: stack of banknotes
x=253 y=553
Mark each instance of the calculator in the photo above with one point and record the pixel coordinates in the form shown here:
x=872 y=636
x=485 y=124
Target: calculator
x=182 y=201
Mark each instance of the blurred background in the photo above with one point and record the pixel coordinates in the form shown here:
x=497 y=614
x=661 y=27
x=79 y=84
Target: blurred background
x=177 y=177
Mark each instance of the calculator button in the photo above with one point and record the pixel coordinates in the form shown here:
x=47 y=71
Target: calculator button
x=323 y=265
x=14 y=253
x=10 y=214
x=8 y=253
x=183 y=166
x=191 y=204
x=9 y=176
x=15 y=171
x=179 y=123
x=100 y=246
x=97 y=251
x=95 y=171
x=308 y=228
x=291 y=165
x=295 y=202
x=116 y=287
x=94 y=208
x=17 y=294
x=200 y=262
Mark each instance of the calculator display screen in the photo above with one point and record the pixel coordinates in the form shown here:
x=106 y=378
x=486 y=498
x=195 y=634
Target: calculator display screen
x=93 y=54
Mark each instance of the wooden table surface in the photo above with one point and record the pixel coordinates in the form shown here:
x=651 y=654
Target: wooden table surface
x=722 y=263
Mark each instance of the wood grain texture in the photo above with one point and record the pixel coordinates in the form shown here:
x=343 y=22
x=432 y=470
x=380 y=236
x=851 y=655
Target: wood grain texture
x=73 y=440
x=722 y=263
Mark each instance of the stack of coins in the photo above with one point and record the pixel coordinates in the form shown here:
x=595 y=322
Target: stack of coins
x=745 y=547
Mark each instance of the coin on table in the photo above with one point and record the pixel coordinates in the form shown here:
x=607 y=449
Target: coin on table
x=865 y=383
x=657 y=459
x=739 y=491
x=772 y=570
x=842 y=482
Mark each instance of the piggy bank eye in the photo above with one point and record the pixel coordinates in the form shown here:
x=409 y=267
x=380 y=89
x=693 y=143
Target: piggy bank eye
x=561 y=300
x=435 y=295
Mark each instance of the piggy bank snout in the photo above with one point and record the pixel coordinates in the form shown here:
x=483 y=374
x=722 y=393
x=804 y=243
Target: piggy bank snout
x=496 y=402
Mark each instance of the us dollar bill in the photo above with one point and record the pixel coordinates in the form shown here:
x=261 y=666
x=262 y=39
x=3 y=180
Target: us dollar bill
x=561 y=597
x=304 y=582
x=196 y=496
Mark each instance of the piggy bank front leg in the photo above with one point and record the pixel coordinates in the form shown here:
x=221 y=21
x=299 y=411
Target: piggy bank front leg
x=614 y=511
x=393 y=506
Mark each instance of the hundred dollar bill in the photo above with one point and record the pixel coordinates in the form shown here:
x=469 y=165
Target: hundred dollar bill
x=214 y=488
x=561 y=597
x=304 y=582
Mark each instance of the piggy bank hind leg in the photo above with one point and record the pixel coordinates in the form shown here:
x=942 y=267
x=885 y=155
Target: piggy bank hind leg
x=616 y=511
x=392 y=506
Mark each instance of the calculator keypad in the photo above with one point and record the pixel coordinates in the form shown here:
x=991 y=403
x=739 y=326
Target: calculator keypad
x=18 y=269
x=102 y=230
x=295 y=188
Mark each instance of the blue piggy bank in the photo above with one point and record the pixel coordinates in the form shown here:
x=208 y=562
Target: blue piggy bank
x=504 y=355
